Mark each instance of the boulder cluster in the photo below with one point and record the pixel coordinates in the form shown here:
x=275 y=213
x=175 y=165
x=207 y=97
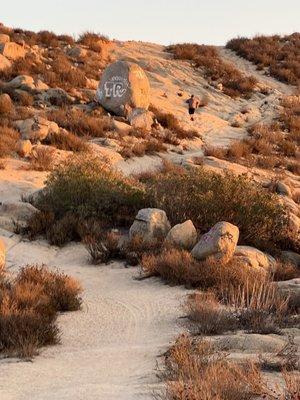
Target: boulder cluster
x=220 y=242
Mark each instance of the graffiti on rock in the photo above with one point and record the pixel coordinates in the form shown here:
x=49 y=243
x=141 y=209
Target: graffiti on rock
x=115 y=87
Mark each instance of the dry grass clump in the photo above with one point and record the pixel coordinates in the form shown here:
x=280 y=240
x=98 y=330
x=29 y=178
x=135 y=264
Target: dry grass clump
x=195 y=370
x=8 y=142
x=28 y=309
x=64 y=140
x=280 y=54
x=179 y=267
x=92 y=40
x=81 y=189
x=208 y=315
x=42 y=159
x=169 y=121
x=79 y=123
x=235 y=84
x=209 y=198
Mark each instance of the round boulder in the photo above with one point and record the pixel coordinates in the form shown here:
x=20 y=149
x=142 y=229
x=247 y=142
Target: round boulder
x=123 y=85
x=220 y=242
x=150 y=224
x=254 y=258
x=183 y=235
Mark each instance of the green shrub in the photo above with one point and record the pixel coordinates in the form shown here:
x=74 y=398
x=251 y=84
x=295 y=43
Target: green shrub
x=207 y=198
x=81 y=189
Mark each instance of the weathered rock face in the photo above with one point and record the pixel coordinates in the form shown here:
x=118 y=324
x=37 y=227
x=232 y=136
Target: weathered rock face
x=291 y=288
x=123 y=84
x=12 y=50
x=254 y=258
x=58 y=97
x=141 y=119
x=2 y=254
x=15 y=212
x=77 y=52
x=36 y=128
x=150 y=224
x=4 y=63
x=183 y=235
x=220 y=242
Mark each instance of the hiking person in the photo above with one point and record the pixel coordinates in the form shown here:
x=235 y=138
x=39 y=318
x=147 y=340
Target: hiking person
x=193 y=103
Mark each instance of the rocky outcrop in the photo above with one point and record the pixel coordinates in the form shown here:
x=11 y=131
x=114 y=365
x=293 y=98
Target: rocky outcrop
x=183 y=235
x=37 y=128
x=12 y=50
x=15 y=213
x=123 y=85
x=220 y=242
x=2 y=254
x=57 y=97
x=150 y=224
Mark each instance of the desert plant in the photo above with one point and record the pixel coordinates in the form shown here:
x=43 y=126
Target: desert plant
x=28 y=309
x=8 y=142
x=42 y=159
x=209 y=316
x=207 y=58
x=278 y=53
x=211 y=197
x=81 y=189
x=195 y=370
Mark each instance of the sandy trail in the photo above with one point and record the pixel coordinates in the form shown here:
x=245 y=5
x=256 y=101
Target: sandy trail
x=110 y=348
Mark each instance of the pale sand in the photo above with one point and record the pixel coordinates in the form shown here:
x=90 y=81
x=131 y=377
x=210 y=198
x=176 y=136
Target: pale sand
x=109 y=349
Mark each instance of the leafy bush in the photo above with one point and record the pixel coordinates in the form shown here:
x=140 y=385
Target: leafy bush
x=207 y=198
x=81 y=189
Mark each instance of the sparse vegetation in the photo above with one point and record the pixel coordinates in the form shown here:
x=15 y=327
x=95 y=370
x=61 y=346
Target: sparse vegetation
x=28 y=309
x=195 y=370
x=8 y=142
x=235 y=84
x=280 y=54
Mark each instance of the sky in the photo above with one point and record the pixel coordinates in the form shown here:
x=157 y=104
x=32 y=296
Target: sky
x=159 y=21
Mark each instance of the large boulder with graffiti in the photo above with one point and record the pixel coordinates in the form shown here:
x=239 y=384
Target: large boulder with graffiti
x=123 y=87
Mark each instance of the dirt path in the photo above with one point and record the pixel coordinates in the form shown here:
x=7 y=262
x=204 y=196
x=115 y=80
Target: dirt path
x=109 y=349
x=250 y=69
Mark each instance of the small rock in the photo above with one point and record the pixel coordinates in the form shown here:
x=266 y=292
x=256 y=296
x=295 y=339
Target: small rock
x=77 y=52
x=121 y=127
x=141 y=119
x=26 y=82
x=12 y=213
x=220 y=242
x=150 y=224
x=24 y=148
x=283 y=189
x=183 y=235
